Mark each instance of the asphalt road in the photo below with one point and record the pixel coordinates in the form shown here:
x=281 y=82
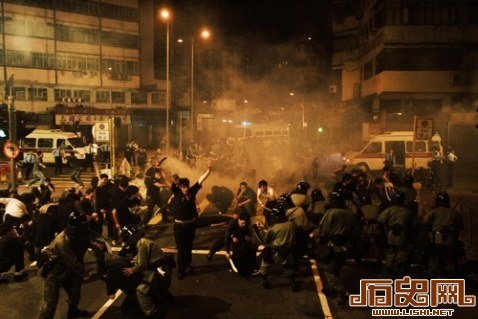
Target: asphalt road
x=213 y=291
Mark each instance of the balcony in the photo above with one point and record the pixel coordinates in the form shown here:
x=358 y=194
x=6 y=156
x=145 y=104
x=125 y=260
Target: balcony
x=420 y=81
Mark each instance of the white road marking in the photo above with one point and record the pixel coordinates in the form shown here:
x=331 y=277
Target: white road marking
x=107 y=304
x=318 y=283
x=313 y=266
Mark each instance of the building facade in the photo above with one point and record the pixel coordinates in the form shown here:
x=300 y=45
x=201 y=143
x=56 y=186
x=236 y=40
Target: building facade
x=396 y=59
x=62 y=55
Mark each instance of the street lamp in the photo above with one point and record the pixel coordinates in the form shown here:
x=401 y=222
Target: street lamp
x=205 y=34
x=166 y=17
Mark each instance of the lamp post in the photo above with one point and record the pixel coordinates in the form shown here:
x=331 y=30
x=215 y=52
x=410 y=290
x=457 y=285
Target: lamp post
x=166 y=16
x=205 y=34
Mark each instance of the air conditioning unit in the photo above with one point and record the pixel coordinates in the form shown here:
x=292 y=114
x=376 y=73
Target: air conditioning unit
x=332 y=88
x=459 y=78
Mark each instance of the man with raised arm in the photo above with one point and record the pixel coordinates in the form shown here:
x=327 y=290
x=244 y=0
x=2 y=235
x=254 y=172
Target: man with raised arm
x=185 y=213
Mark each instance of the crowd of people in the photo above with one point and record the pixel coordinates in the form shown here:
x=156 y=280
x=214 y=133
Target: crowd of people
x=359 y=220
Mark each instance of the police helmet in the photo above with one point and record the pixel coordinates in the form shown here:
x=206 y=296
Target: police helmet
x=317 y=195
x=77 y=219
x=130 y=234
x=285 y=201
x=278 y=213
x=398 y=197
x=303 y=187
x=337 y=199
x=442 y=199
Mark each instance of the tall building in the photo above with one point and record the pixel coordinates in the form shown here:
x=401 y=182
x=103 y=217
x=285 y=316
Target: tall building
x=396 y=59
x=82 y=61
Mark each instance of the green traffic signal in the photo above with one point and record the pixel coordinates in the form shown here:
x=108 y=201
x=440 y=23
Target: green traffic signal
x=320 y=129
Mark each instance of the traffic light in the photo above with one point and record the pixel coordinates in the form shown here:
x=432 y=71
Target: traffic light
x=320 y=129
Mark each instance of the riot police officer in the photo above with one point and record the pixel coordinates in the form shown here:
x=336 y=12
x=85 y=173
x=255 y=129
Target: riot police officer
x=154 y=265
x=64 y=259
x=337 y=231
x=443 y=224
x=397 y=220
x=299 y=196
x=279 y=242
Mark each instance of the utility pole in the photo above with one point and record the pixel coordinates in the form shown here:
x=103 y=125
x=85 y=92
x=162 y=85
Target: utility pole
x=12 y=129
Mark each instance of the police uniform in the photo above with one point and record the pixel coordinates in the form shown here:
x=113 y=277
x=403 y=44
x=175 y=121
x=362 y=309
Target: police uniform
x=146 y=261
x=279 y=240
x=444 y=225
x=336 y=231
x=67 y=271
x=397 y=220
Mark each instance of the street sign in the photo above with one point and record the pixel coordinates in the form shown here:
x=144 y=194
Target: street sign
x=11 y=150
x=101 y=131
x=424 y=128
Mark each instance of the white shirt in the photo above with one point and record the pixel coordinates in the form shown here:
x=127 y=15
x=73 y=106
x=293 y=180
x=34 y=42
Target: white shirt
x=269 y=194
x=452 y=157
x=14 y=207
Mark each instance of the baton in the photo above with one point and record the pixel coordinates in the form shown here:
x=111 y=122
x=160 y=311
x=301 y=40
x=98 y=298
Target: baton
x=233 y=267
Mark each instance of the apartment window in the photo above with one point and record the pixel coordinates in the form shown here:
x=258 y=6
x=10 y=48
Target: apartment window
x=71 y=62
x=28 y=28
x=119 y=12
x=158 y=98
x=40 y=60
x=16 y=58
x=78 y=6
x=102 y=96
x=132 y=67
x=92 y=64
x=119 y=39
x=76 y=34
x=62 y=94
x=36 y=3
x=61 y=61
x=38 y=94
x=117 y=97
x=120 y=66
x=138 y=98
x=82 y=64
x=84 y=95
x=420 y=59
x=19 y=93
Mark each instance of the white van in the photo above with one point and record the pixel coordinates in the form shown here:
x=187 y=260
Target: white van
x=265 y=133
x=47 y=140
x=372 y=156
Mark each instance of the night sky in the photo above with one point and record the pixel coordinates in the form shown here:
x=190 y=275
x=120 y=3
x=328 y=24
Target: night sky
x=265 y=21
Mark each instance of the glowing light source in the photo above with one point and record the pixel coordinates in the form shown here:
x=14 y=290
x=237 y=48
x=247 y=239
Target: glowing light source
x=245 y=123
x=165 y=14
x=205 y=34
